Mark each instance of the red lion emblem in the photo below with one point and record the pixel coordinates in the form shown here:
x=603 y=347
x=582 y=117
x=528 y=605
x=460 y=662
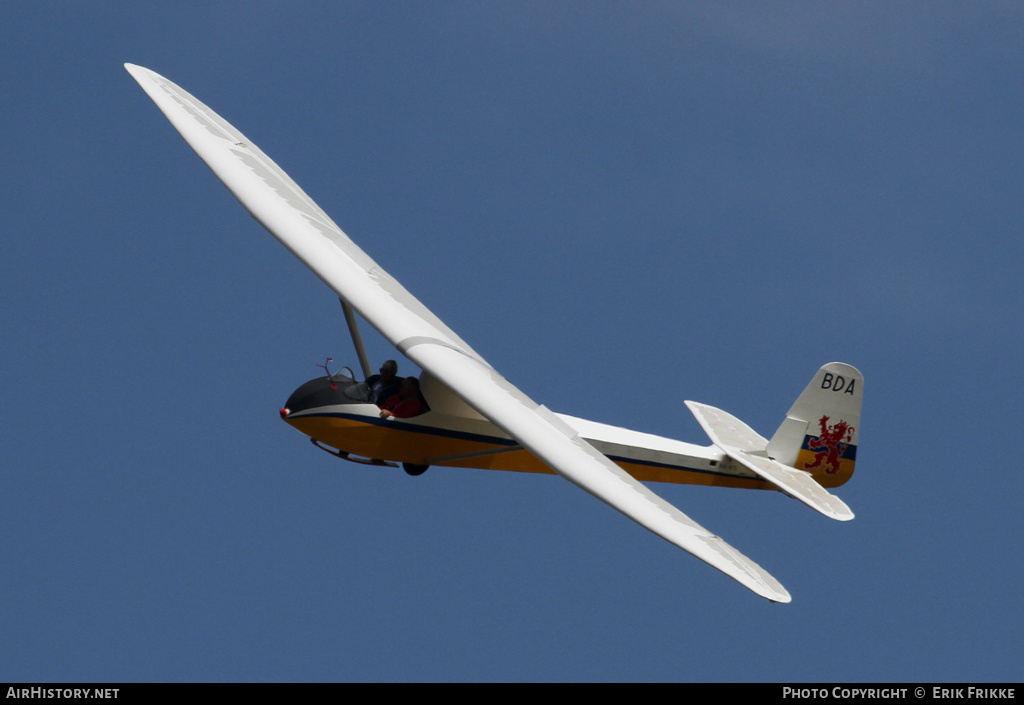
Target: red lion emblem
x=829 y=445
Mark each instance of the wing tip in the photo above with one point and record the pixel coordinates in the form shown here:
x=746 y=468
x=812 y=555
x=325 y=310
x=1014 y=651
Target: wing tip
x=141 y=73
x=769 y=588
x=775 y=593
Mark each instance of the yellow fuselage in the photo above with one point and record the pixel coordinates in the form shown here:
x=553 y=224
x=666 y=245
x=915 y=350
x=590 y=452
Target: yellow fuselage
x=438 y=439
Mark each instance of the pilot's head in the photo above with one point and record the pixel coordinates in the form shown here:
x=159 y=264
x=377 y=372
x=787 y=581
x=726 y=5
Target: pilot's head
x=410 y=388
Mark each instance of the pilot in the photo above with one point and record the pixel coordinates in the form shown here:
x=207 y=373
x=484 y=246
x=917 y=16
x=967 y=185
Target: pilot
x=406 y=403
x=386 y=384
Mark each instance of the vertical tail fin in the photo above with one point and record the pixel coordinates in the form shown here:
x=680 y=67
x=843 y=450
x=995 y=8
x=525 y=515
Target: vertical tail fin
x=819 y=434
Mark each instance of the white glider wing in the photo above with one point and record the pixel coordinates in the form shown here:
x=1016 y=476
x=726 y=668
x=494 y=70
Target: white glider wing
x=278 y=204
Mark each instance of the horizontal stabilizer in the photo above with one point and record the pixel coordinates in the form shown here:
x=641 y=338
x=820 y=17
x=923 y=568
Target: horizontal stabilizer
x=745 y=446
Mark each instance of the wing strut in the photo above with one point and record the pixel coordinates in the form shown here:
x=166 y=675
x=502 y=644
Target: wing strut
x=357 y=340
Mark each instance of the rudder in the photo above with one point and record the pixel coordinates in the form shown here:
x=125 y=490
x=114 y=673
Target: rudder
x=819 y=434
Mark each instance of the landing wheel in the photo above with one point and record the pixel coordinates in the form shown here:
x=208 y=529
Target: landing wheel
x=414 y=470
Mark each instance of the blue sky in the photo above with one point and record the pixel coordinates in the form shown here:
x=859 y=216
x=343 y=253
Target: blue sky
x=620 y=206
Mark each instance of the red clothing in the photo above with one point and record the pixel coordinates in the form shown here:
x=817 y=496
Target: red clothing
x=403 y=408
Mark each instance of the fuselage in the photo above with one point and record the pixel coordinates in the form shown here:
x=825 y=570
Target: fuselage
x=322 y=410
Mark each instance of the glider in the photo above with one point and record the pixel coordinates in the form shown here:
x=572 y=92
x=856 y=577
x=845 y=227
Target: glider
x=476 y=418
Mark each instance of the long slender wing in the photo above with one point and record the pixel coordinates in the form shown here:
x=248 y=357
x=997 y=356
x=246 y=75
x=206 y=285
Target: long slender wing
x=278 y=204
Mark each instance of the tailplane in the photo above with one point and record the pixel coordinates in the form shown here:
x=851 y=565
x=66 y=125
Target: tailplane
x=814 y=448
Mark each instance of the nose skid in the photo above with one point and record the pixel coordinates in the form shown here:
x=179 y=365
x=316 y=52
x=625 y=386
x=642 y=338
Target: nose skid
x=353 y=458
